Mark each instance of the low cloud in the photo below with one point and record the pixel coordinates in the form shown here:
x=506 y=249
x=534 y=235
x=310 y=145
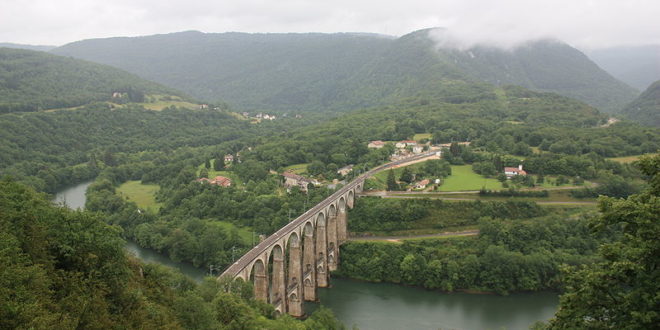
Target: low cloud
x=505 y=23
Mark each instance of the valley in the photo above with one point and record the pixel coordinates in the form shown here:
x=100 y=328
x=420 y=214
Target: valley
x=324 y=180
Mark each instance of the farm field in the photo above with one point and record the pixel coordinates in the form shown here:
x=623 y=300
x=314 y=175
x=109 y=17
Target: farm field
x=144 y=195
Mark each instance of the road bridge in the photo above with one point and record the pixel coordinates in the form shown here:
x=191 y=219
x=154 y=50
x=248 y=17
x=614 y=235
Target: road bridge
x=304 y=251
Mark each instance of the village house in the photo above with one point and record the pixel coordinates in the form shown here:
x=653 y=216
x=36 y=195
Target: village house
x=292 y=180
x=229 y=158
x=513 y=171
x=376 y=144
x=418 y=149
x=203 y=106
x=422 y=184
x=218 y=181
x=345 y=170
x=405 y=143
x=116 y=95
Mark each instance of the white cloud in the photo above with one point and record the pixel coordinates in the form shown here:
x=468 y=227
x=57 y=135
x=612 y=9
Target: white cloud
x=583 y=23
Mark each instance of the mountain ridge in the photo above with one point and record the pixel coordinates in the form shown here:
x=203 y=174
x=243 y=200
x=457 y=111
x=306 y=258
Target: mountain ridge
x=318 y=71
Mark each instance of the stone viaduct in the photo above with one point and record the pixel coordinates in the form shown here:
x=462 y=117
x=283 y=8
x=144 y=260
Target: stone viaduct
x=303 y=252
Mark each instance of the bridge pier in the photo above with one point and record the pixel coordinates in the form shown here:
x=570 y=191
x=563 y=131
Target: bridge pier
x=278 y=285
x=260 y=281
x=309 y=265
x=294 y=302
x=342 y=218
x=333 y=251
x=321 y=250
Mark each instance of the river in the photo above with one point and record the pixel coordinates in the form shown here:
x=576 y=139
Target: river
x=388 y=306
x=74 y=197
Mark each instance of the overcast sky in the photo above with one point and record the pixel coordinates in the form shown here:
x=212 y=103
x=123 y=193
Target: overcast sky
x=582 y=23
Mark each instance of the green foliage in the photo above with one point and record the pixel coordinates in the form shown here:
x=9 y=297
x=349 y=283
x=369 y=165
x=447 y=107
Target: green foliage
x=67 y=269
x=621 y=291
x=32 y=81
x=507 y=256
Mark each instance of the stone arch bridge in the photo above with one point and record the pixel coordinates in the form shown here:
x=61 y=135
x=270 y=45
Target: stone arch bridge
x=288 y=266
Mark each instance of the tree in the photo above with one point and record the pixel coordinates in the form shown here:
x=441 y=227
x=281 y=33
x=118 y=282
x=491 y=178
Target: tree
x=391 y=181
x=204 y=173
x=207 y=163
x=219 y=164
x=621 y=292
x=406 y=175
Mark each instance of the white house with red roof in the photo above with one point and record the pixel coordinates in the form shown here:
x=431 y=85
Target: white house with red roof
x=513 y=171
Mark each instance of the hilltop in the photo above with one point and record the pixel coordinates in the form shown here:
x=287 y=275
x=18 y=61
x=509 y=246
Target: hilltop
x=342 y=71
x=646 y=108
x=33 y=81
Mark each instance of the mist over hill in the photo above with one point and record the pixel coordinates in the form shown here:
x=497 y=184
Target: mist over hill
x=646 y=108
x=637 y=66
x=315 y=72
x=33 y=80
x=43 y=48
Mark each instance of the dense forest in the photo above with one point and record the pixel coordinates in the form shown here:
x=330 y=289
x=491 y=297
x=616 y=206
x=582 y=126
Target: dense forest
x=67 y=270
x=313 y=72
x=48 y=150
x=32 y=81
x=508 y=255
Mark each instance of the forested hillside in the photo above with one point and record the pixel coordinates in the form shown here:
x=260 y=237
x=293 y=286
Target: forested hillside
x=346 y=71
x=32 y=81
x=646 y=108
x=63 y=269
x=249 y=71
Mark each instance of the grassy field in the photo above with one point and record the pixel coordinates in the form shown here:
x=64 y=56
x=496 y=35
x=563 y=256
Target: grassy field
x=160 y=102
x=297 y=168
x=420 y=136
x=243 y=232
x=463 y=178
x=141 y=194
x=627 y=159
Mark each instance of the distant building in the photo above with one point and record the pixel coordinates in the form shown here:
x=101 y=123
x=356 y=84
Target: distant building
x=203 y=106
x=422 y=184
x=405 y=143
x=345 y=170
x=292 y=180
x=376 y=144
x=218 y=181
x=246 y=114
x=418 y=149
x=116 y=95
x=229 y=158
x=513 y=171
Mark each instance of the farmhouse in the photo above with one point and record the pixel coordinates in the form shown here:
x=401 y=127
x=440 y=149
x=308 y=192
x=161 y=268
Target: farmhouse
x=292 y=180
x=218 y=181
x=229 y=158
x=422 y=184
x=345 y=170
x=405 y=143
x=513 y=171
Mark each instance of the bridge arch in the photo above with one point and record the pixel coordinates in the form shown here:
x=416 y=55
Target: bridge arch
x=350 y=199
